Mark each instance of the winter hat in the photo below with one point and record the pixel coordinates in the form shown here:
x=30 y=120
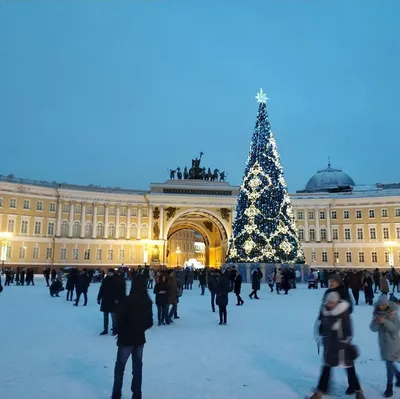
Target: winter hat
x=111 y=271
x=382 y=301
x=332 y=297
x=336 y=277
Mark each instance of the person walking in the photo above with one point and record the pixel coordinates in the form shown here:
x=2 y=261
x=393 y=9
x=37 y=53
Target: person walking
x=222 y=297
x=395 y=280
x=46 y=274
x=256 y=277
x=270 y=281
x=134 y=318
x=237 y=289
x=213 y=286
x=173 y=294
x=161 y=293
x=386 y=322
x=278 y=280
x=72 y=280
x=377 y=279
x=111 y=294
x=368 y=289
x=202 y=282
x=82 y=287
x=232 y=277
x=190 y=279
x=356 y=285
x=151 y=279
x=384 y=285
x=22 y=278
x=53 y=275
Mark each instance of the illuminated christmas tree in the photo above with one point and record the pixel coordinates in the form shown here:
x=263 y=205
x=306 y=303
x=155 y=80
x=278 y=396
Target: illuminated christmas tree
x=264 y=230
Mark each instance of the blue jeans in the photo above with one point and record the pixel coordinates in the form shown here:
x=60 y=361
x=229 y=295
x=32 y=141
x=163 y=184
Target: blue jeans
x=391 y=370
x=122 y=357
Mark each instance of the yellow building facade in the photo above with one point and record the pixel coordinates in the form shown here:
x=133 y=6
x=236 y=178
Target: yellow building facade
x=48 y=224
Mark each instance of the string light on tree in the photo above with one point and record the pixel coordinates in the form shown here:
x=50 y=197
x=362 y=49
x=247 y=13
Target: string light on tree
x=264 y=230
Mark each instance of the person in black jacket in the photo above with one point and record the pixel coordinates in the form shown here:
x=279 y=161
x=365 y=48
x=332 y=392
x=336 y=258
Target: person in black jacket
x=222 y=297
x=161 y=292
x=213 y=286
x=202 y=281
x=134 y=317
x=256 y=278
x=22 y=278
x=237 y=289
x=82 y=287
x=335 y=284
x=111 y=293
x=72 y=280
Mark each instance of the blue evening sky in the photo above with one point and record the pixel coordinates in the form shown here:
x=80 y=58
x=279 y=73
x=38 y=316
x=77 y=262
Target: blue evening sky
x=116 y=92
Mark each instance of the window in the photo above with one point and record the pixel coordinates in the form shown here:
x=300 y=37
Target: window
x=13 y=203
x=89 y=209
x=86 y=254
x=384 y=213
x=122 y=230
x=35 y=253
x=22 y=252
x=49 y=253
x=100 y=230
x=52 y=207
x=386 y=257
x=63 y=255
x=397 y=212
x=132 y=254
x=334 y=215
x=323 y=234
x=346 y=215
x=358 y=214
x=348 y=257
x=9 y=252
x=385 y=232
x=347 y=234
x=39 y=206
x=311 y=215
x=50 y=229
x=145 y=212
x=110 y=254
x=78 y=208
x=336 y=256
x=123 y=212
x=11 y=226
x=111 y=230
x=300 y=215
x=372 y=233
x=322 y=215
x=371 y=213
x=324 y=257
x=38 y=227
x=65 y=207
x=64 y=228
x=398 y=233
x=111 y=210
x=99 y=253
x=134 y=212
x=24 y=227
x=133 y=230
x=301 y=234
x=100 y=210
x=312 y=234
x=75 y=253
x=335 y=234
x=360 y=233
x=374 y=257
x=121 y=254
x=313 y=257
x=88 y=229
x=361 y=257
x=144 y=231
x=76 y=229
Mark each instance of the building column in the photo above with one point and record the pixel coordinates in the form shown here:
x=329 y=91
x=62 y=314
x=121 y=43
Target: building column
x=94 y=230
x=150 y=230
x=318 y=232
x=83 y=220
x=162 y=222
x=306 y=232
x=106 y=221
x=328 y=225
x=128 y=223
x=139 y=221
x=71 y=219
x=59 y=219
x=117 y=223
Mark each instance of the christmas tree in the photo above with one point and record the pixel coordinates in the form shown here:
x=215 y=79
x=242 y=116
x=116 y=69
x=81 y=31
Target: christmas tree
x=264 y=230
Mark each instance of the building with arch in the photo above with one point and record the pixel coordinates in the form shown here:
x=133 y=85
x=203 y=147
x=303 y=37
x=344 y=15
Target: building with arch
x=340 y=223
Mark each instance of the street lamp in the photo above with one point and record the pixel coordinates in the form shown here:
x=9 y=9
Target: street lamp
x=390 y=245
x=178 y=251
x=4 y=242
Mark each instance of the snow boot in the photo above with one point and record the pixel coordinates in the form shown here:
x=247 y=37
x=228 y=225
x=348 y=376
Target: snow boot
x=360 y=395
x=350 y=391
x=316 y=395
x=105 y=332
x=389 y=391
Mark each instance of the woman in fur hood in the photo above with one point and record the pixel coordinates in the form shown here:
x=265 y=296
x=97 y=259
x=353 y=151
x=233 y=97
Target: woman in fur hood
x=336 y=333
x=386 y=322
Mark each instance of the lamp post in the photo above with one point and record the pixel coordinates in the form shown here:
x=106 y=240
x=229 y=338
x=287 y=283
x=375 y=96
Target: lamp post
x=390 y=245
x=178 y=251
x=4 y=242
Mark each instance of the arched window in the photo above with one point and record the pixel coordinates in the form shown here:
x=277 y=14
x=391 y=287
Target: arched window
x=88 y=230
x=100 y=230
x=111 y=230
x=301 y=233
x=144 y=230
x=122 y=230
x=76 y=229
x=133 y=230
x=64 y=228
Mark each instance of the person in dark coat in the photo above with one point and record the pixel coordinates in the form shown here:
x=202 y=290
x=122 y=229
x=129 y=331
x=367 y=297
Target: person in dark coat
x=202 y=281
x=55 y=288
x=22 y=277
x=336 y=333
x=82 y=287
x=213 y=286
x=395 y=277
x=368 y=289
x=134 y=317
x=46 y=274
x=232 y=277
x=256 y=277
x=335 y=284
x=161 y=293
x=72 y=280
x=190 y=279
x=8 y=277
x=237 y=289
x=173 y=295
x=355 y=285
x=17 y=276
x=377 y=280
x=111 y=293
x=53 y=274
x=286 y=280
x=223 y=290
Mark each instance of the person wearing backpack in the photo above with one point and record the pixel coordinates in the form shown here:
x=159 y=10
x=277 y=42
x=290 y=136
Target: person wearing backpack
x=386 y=322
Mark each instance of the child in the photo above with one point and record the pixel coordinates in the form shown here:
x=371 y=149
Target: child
x=386 y=323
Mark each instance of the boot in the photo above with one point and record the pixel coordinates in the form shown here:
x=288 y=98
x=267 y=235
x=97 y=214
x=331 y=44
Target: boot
x=316 y=395
x=359 y=395
x=389 y=391
x=398 y=381
x=350 y=391
x=105 y=332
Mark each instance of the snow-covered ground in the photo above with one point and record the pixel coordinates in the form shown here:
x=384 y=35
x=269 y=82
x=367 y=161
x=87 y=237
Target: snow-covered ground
x=50 y=349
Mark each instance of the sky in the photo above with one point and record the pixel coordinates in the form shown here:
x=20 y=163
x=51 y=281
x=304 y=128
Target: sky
x=117 y=92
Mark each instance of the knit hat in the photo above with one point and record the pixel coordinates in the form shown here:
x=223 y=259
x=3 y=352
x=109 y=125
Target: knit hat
x=336 y=277
x=382 y=301
x=332 y=297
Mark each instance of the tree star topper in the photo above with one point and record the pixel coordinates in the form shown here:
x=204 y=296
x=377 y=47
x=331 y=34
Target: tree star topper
x=261 y=97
